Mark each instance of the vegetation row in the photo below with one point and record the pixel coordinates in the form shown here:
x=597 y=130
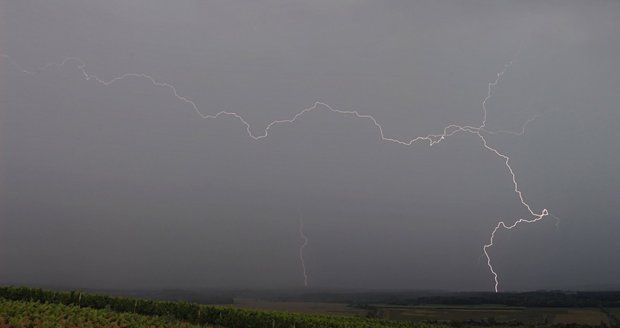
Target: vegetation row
x=198 y=313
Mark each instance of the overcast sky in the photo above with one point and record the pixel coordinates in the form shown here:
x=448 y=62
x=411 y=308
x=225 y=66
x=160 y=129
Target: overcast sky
x=126 y=186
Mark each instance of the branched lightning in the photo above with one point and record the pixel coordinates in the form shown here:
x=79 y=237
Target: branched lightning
x=303 y=245
x=490 y=89
x=430 y=139
x=521 y=130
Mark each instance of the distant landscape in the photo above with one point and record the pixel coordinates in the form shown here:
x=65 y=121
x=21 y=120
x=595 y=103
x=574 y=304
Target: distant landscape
x=310 y=164
x=20 y=306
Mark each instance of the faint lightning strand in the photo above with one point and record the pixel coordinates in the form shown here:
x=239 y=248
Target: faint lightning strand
x=521 y=131
x=303 y=245
x=490 y=89
x=431 y=139
x=515 y=133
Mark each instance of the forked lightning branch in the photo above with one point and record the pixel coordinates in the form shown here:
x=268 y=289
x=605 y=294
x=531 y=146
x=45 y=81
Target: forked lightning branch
x=430 y=140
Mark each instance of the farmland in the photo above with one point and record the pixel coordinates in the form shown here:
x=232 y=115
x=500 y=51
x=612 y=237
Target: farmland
x=180 y=312
x=27 y=307
x=35 y=314
x=446 y=313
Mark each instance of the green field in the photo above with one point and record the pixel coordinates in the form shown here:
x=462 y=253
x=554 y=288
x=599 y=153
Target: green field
x=35 y=314
x=28 y=307
x=66 y=305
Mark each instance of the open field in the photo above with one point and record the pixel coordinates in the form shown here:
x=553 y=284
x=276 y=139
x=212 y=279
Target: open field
x=442 y=313
x=615 y=312
x=30 y=307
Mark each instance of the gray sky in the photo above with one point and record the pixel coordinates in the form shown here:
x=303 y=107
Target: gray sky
x=126 y=186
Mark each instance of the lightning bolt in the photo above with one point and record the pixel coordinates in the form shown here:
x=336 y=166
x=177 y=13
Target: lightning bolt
x=303 y=245
x=490 y=89
x=430 y=139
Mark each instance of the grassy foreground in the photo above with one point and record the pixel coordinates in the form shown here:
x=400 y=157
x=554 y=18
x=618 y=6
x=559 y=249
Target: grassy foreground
x=15 y=314
x=29 y=307
x=164 y=312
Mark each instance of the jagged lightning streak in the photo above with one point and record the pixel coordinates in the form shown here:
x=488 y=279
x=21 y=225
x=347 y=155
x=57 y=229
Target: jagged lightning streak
x=536 y=216
x=303 y=245
x=502 y=224
x=431 y=139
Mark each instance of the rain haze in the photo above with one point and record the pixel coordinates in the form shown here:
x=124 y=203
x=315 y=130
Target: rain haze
x=124 y=184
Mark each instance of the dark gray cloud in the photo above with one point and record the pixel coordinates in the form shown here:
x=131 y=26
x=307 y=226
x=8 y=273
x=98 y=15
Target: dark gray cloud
x=126 y=186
